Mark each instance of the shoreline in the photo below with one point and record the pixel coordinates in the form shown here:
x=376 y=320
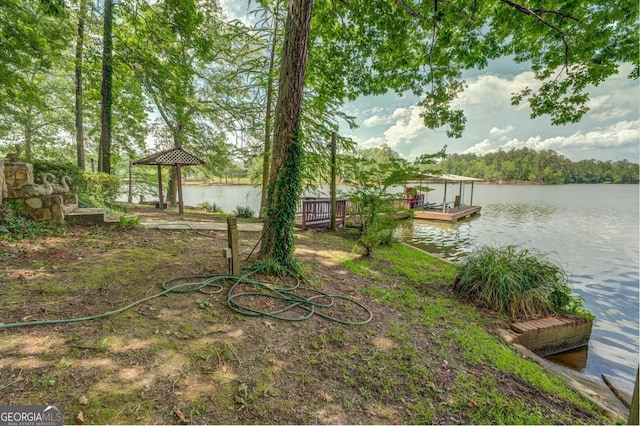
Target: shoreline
x=596 y=391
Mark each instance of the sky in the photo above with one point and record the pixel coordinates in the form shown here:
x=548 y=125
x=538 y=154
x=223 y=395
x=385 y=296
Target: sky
x=609 y=131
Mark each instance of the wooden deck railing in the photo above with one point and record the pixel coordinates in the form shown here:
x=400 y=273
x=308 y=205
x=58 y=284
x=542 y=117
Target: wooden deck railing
x=407 y=202
x=315 y=212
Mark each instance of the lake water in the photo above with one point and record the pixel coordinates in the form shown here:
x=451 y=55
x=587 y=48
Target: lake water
x=592 y=231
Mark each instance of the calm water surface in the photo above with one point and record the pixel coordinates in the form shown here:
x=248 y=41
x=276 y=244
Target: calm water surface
x=591 y=230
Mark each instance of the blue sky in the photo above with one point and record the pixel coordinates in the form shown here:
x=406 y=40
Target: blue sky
x=609 y=131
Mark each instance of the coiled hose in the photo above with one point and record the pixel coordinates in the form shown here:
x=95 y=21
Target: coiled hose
x=285 y=296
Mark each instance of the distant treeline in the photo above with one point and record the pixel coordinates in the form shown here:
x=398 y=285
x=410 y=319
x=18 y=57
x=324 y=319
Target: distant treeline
x=547 y=167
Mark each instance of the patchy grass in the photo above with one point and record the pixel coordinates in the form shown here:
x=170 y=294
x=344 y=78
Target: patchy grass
x=426 y=357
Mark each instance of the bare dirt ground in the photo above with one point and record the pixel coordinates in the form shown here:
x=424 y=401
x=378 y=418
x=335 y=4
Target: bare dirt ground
x=189 y=359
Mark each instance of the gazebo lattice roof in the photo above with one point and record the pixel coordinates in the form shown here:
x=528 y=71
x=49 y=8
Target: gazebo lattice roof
x=170 y=157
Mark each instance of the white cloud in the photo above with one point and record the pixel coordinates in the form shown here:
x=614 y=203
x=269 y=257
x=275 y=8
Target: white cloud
x=402 y=113
x=606 y=108
x=501 y=132
x=371 y=142
x=480 y=148
x=375 y=120
x=407 y=127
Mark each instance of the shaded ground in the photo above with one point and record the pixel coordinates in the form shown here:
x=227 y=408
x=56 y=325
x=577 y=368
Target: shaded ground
x=188 y=358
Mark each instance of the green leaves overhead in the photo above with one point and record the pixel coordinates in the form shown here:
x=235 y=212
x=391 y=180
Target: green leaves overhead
x=31 y=40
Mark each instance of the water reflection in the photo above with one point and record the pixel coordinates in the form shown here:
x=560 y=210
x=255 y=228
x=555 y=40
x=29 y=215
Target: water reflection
x=575 y=359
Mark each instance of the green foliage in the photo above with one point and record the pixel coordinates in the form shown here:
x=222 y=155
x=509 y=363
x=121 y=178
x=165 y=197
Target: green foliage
x=365 y=47
x=33 y=39
x=211 y=207
x=101 y=190
x=244 y=212
x=14 y=225
x=128 y=221
x=281 y=213
x=520 y=283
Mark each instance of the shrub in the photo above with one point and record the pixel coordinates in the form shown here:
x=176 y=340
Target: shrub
x=520 y=283
x=129 y=221
x=244 y=212
x=387 y=238
x=209 y=207
x=101 y=189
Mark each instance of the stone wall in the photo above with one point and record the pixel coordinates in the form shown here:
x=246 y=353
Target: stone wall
x=18 y=178
x=17 y=174
x=46 y=208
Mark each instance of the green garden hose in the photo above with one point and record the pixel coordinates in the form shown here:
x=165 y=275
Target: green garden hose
x=210 y=284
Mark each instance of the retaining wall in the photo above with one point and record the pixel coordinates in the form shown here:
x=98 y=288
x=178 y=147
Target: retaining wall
x=551 y=335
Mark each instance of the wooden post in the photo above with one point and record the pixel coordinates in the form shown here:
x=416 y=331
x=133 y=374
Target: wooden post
x=633 y=411
x=130 y=192
x=333 y=181
x=232 y=240
x=304 y=214
x=179 y=181
x=160 y=195
x=471 y=202
x=444 y=198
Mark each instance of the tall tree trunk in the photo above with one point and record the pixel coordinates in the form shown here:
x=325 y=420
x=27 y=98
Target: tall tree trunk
x=104 y=151
x=284 y=187
x=79 y=124
x=28 y=134
x=267 y=127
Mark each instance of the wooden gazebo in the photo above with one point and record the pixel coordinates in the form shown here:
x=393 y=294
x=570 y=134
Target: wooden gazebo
x=177 y=157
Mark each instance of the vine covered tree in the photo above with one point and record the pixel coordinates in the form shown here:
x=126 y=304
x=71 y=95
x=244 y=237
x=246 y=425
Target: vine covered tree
x=104 y=150
x=284 y=187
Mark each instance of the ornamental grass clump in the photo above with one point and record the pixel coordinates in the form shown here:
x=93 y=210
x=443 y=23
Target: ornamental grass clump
x=520 y=283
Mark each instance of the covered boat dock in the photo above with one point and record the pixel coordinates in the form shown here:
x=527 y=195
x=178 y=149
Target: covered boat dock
x=449 y=210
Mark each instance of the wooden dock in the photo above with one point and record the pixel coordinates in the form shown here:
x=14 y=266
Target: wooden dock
x=452 y=214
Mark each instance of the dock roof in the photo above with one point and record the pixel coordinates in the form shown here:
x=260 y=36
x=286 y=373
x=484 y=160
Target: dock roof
x=454 y=178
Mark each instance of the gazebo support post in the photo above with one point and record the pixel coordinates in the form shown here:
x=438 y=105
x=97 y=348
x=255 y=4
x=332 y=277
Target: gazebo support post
x=160 y=196
x=179 y=179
